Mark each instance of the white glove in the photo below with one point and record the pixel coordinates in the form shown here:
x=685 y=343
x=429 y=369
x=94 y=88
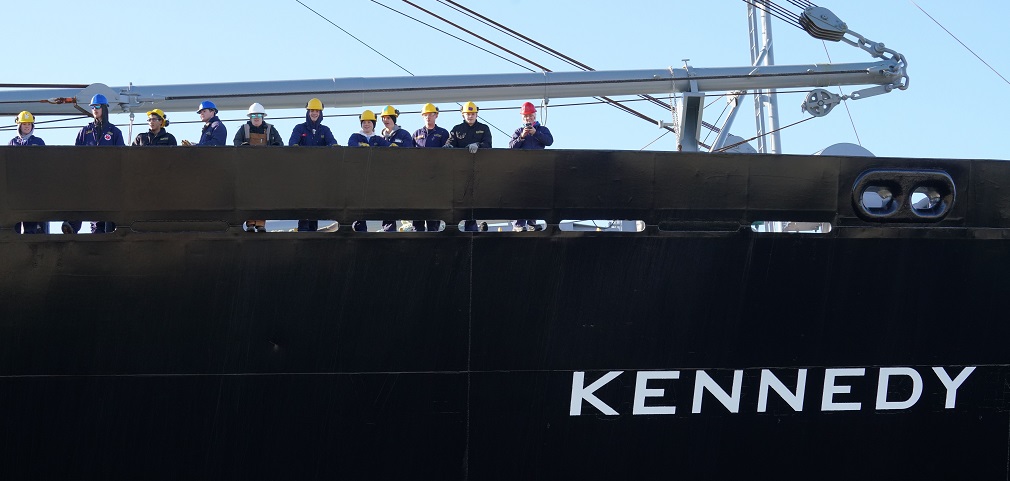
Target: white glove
x=446 y=146
x=473 y=148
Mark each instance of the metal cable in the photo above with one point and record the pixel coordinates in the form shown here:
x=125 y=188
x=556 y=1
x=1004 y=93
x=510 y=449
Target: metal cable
x=791 y=21
x=555 y=53
x=352 y=36
x=844 y=102
x=455 y=37
x=962 y=43
x=762 y=135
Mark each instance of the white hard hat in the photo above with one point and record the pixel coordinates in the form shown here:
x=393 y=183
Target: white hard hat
x=257 y=108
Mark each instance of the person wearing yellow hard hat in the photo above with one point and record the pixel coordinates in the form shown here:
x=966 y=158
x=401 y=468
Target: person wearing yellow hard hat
x=26 y=128
x=430 y=135
x=157 y=135
x=312 y=133
x=367 y=137
x=393 y=134
x=471 y=133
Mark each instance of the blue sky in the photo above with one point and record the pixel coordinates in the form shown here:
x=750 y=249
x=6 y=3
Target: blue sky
x=950 y=109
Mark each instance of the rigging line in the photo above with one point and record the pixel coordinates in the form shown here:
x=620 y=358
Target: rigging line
x=501 y=28
x=709 y=134
x=960 y=42
x=352 y=36
x=764 y=134
x=790 y=21
x=626 y=109
x=453 y=36
x=768 y=4
x=804 y=4
x=515 y=34
x=433 y=14
x=557 y=54
x=654 y=141
x=844 y=102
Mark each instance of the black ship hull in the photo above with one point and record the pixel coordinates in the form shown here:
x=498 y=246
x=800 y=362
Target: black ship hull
x=179 y=347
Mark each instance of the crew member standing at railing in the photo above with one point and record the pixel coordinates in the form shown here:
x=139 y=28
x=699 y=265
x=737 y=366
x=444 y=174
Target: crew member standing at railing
x=429 y=136
x=256 y=132
x=472 y=135
x=157 y=135
x=531 y=135
x=26 y=126
x=367 y=138
x=311 y=133
x=214 y=132
x=101 y=132
x=393 y=134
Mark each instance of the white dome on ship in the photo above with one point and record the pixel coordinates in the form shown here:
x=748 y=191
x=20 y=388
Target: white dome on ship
x=845 y=149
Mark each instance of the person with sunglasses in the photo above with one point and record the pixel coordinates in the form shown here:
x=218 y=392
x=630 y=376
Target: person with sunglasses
x=101 y=131
x=157 y=120
x=256 y=131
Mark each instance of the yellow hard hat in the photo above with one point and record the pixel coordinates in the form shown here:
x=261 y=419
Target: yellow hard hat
x=390 y=111
x=367 y=115
x=25 y=117
x=314 y=104
x=469 y=107
x=159 y=113
x=429 y=109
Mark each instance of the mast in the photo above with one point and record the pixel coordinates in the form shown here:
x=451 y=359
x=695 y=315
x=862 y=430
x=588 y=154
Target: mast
x=765 y=102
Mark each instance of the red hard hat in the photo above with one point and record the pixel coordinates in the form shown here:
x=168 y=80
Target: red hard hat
x=528 y=109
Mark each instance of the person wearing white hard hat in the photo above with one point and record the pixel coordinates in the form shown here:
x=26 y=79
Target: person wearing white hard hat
x=256 y=131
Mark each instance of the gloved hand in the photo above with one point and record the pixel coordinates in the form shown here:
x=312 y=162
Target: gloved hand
x=473 y=148
x=446 y=146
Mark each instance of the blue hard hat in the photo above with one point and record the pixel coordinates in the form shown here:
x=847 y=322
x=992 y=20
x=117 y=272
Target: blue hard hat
x=207 y=104
x=99 y=99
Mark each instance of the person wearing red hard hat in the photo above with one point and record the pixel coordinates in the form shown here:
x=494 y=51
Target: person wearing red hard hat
x=530 y=136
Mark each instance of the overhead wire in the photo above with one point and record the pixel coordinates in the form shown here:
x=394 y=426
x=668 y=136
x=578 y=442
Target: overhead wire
x=844 y=102
x=352 y=36
x=777 y=11
x=571 y=61
x=454 y=36
x=960 y=42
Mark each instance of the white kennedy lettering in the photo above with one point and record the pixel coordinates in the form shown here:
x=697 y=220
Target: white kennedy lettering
x=885 y=376
x=702 y=383
x=952 y=385
x=642 y=391
x=794 y=400
x=580 y=393
x=830 y=389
